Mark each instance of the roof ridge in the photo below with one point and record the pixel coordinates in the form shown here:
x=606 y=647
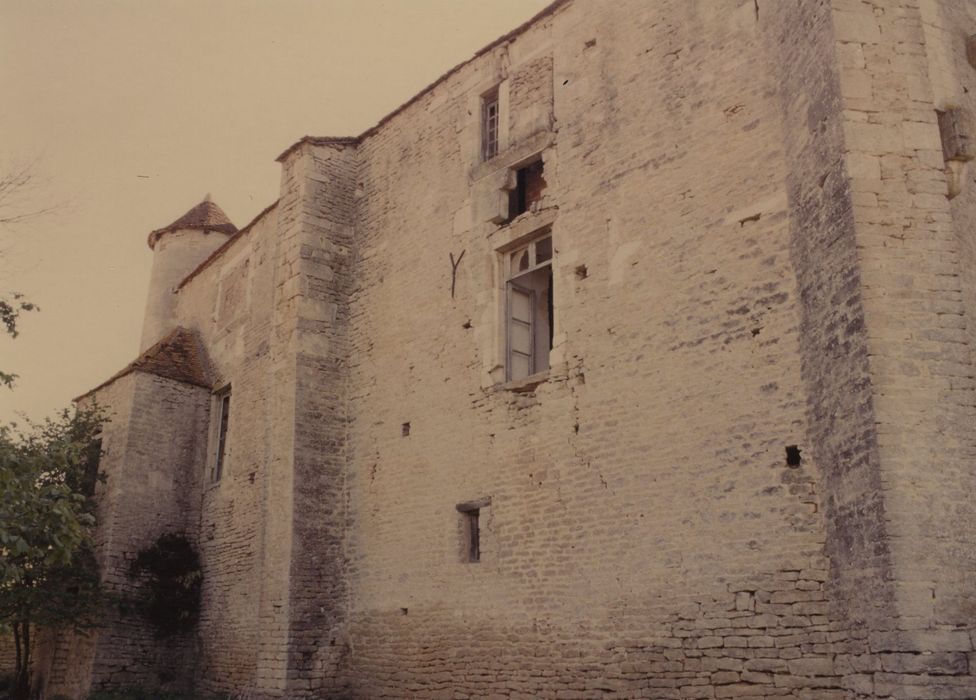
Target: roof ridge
x=356 y=140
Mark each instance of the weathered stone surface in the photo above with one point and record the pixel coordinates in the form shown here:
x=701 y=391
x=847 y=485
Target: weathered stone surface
x=752 y=251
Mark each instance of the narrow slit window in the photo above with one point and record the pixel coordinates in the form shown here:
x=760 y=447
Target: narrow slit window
x=93 y=457
x=471 y=527
x=474 y=535
x=530 y=314
x=489 y=124
x=223 y=421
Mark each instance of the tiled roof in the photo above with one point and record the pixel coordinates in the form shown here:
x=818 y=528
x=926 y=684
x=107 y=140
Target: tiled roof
x=224 y=246
x=179 y=356
x=206 y=216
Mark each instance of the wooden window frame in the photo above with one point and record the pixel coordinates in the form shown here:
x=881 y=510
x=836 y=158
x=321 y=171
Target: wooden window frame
x=471 y=514
x=512 y=277
x=490 y=124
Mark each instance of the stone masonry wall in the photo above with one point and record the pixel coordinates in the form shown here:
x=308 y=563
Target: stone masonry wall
x=229 y=303
x=8 y=655
x=753 y=250
x=915 y=326
x=645 y=536
x=152 y=448
x=311 y=319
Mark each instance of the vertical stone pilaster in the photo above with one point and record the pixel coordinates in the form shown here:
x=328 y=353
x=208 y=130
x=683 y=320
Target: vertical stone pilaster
x=303 y=598
x=887 y=357
x=824 y=250
x=915 y=317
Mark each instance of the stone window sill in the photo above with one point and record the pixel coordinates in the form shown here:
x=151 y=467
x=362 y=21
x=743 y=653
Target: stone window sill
x=526 y=384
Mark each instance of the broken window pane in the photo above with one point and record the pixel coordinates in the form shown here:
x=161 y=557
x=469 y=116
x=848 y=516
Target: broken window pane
x=530 y=312
x=543 y=250
x=529 y=185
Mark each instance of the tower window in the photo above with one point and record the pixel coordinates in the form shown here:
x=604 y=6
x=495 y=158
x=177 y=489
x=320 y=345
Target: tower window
x=223 y=421
x=489 y=124
x=529 y=308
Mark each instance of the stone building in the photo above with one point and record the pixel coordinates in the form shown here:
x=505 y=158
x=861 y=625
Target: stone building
x=633 y=357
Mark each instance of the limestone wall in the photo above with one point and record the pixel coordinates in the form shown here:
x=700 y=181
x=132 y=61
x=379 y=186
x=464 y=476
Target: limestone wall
x=228 y=303
x=752 y=251
x=8 y=655
x=900 y=63
x=175 y=254
x=645 y=534
x=152 y=449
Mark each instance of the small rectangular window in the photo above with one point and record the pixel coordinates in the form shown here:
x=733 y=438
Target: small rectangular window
x=489 y=124
x=471 y=522
x=529 y=309
x=223 y=420
x=474 y=535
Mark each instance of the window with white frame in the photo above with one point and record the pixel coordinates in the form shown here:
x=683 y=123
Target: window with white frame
x=489 y=124
x=528 y=308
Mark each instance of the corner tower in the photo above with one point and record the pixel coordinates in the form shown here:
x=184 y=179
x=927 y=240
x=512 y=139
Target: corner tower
x=177 y=250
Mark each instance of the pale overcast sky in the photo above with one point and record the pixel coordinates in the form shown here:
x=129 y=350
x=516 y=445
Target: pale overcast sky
x=133 y=111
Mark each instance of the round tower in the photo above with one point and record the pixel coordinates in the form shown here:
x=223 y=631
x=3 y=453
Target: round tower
x=177 y=250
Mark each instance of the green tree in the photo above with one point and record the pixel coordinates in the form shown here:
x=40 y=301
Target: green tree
x=18 y=206
x=48 y=573
x=10 y=309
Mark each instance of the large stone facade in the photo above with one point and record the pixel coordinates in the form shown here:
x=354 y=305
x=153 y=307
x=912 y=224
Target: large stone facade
x=749 y=469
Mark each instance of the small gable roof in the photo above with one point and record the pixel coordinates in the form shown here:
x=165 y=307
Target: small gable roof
x=179 y=356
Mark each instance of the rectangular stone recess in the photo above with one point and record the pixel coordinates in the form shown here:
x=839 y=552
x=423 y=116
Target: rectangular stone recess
x=529 y=185
x=471 y=512
x=956 y=126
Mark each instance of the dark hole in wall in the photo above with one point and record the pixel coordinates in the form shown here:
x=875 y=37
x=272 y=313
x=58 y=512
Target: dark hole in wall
x=405 y=429
x=529 y=186
x=581 y=272
x=792 y=455
x=93 y=456
x=474 y=535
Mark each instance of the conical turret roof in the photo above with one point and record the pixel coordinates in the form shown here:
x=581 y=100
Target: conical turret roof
x=206 y=216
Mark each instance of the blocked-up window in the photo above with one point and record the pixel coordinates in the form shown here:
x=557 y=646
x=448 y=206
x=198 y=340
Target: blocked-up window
x=489 y=124
x=529 y=308
x=222 y=401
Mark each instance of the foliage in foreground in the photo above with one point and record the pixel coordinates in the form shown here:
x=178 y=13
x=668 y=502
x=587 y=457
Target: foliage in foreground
x=10 y=309
x=170 y=569
x=48 y=573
